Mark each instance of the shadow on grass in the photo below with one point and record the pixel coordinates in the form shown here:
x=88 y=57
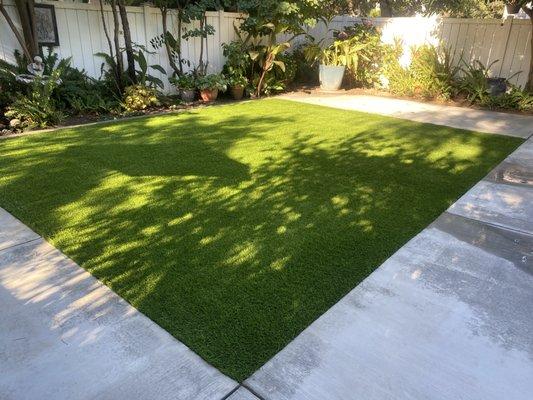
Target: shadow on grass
x=234 y=228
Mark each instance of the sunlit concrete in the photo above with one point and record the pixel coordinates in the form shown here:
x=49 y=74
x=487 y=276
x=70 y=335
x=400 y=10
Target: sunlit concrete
x=64 y=335
x=447 y=317
x=456 y=117
x=13 y=232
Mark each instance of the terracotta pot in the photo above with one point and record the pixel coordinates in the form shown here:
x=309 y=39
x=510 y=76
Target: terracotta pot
x=208 y=95
x=187 y=95
x=237 y=92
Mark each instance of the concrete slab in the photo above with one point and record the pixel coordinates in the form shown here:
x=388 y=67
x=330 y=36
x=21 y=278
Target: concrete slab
x=13 y=232
x=64 y=335
x=456 y=117
x=242 y=394
x=517 y=169
x=505 y=205
x=447 y=317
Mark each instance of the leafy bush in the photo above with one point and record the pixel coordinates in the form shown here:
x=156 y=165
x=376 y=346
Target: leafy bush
x=306 y=72
x=212 y=81
x=38 y=109
x=473 y=81
x=370 y=53
x=513 y=99
x=237 y=80
x=430 y=74
x=238 y=62
x=184 y=82
x=139 y=97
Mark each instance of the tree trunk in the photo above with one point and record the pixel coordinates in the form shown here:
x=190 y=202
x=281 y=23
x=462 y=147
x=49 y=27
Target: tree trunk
x=127 y=41
x=118 y=54
x=180 y=25
x=16 y=32
x=171 y=61
x=385 y=8
x=26 y=12
x=116 y=73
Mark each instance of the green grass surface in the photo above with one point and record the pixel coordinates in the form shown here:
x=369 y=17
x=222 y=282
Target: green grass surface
x=234 y=227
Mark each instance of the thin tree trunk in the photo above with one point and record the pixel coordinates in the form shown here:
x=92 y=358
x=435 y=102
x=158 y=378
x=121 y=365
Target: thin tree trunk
x=201 y=67
x=106 y=32
x=118 y=54
x=16 y=32
x=171 y=61
x=110 y=44
x=127 y=41
x=26 y=12
x=180 y=22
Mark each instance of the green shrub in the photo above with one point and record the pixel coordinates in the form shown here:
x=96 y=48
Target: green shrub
x=513 y=99
x=306 y=72
x=473 y=81
x=184 y=82
x=38 y=109
x=370 y=53
x=139 y=98
x=212 y=81
x=429 y=75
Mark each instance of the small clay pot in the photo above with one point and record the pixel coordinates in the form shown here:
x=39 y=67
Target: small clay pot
x=237 y=92
x=209 y=95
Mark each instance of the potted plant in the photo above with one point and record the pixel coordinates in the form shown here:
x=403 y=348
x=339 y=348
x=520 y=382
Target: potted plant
x=209 y=86
x=236 y=84
x=186 y=85
x=334 y=59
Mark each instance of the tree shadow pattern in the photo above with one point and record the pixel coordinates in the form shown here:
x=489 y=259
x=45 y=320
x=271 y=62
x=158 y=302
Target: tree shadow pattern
x=234 y=227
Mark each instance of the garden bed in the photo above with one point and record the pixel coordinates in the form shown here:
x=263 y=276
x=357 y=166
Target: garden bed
x=234 y=227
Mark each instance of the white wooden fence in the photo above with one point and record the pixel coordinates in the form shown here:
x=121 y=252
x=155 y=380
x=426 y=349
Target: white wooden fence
x=81 y=35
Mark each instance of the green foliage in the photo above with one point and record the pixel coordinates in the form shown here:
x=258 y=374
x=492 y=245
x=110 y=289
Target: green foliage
x=430 y=74
x=370 y=55
x=238 y=61
x=139 y=97
x=473 y=81
x=10 y=88
x=513 y=99
x=237 y=80
x=342 y=52
x=38 y=109
x=143 y=77
x=306 y=72
x=185 y=82
x=211 y=81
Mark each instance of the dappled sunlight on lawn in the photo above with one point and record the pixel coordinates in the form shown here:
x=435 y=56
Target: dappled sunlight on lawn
x=234 y=227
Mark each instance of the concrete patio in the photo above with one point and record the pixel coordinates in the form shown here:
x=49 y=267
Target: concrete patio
x=456 y=117
x=447 y=317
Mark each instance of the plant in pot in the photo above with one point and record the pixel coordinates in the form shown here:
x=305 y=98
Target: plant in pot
x=210 y=85
x=236 y=84
x=186 y=85
x=334 y=59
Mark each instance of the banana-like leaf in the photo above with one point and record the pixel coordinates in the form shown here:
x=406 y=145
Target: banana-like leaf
x=280 y=64
x=159 y=68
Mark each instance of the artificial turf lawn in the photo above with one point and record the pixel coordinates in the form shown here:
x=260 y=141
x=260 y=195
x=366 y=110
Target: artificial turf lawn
x=234 y=227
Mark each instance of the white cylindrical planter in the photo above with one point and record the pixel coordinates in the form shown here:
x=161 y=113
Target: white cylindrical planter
x=330 y=76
